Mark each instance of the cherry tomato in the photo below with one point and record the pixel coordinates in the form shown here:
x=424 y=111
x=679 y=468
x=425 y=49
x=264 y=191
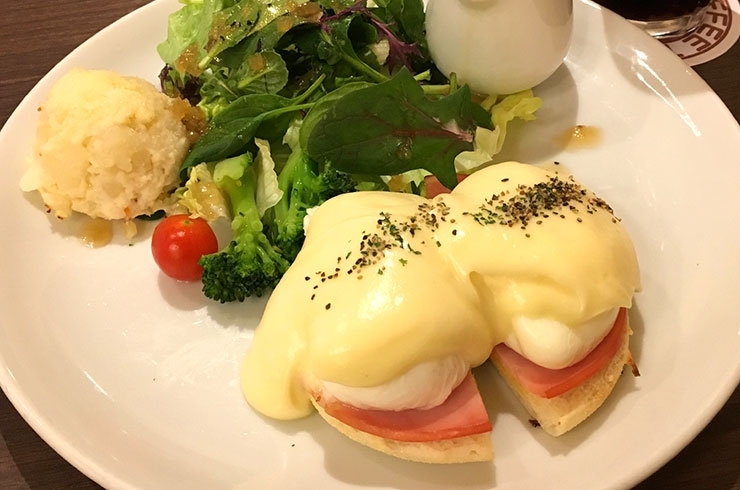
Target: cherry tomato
x=179 y=242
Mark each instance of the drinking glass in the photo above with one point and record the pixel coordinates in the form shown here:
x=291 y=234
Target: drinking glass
x=664 y=19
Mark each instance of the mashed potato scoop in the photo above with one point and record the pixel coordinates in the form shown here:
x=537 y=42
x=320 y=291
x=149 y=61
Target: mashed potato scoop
x=107 y=145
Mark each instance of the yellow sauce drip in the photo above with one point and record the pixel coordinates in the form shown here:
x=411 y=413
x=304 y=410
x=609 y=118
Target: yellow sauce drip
x=310 y=11
x=257 y=62
x=187 y=62
x=192 y=118
x=96 y=232
x=580 y=137
x=284 y=24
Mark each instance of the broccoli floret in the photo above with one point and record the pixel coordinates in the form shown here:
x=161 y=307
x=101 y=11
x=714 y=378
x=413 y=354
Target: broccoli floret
x=304 y=186
x=332 y=182
x=250 y=264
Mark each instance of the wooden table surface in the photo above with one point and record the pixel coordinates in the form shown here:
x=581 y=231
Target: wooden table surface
x=35 y=35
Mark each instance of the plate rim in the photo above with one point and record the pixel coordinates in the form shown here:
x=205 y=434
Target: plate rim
x=91 y=467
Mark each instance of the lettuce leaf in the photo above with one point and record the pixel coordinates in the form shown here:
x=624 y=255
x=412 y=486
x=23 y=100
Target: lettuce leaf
x=268 y=192
x=201 y=196
x=489 y=142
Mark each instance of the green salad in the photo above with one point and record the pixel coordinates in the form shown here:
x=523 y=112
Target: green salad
x=308 y=99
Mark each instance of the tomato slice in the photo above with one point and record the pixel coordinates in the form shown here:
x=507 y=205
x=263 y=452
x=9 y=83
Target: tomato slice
x=462 y=414
x=549 y=383
x=433 y=187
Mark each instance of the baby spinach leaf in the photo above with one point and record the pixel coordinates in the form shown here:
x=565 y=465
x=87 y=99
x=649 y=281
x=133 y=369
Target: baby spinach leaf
x=249 y=106
x=336 y=5
x=392 y=127
x=263 y=72
x=408 y=15
x=231 y=130
x=323 y=105
x=337 y=43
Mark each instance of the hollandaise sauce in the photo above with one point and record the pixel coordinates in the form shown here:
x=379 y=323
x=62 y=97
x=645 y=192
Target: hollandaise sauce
x=386 y=282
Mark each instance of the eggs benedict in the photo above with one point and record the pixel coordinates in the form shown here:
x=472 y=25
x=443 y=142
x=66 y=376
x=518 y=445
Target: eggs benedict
x=394 y=298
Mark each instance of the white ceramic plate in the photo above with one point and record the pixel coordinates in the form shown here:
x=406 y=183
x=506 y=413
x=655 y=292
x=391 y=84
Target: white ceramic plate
x=133 y=378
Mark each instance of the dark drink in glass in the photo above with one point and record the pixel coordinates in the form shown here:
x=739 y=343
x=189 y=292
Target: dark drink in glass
x=661 y=18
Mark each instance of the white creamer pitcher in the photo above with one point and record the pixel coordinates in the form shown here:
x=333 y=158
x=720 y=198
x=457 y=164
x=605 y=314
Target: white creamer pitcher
x=499 y=46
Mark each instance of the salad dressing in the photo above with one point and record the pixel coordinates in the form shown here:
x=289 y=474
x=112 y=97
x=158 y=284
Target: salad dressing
x=187 y=61
x=580 y=137
x=96 y=232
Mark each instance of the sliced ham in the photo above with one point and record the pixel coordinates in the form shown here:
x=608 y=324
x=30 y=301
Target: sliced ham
x=434 y=187
x=549 y=383
x=462 y=414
